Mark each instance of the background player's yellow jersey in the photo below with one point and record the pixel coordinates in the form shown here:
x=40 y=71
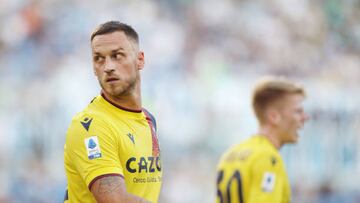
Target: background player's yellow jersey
x=252 y=172
x=106 y=140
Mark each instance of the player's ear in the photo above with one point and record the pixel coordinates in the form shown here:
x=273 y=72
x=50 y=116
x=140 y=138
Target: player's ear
x=140 y=62
x=273 y=116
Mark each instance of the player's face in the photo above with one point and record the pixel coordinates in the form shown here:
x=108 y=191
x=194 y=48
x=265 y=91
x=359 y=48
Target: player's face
x=117 y=62
x=292 y=118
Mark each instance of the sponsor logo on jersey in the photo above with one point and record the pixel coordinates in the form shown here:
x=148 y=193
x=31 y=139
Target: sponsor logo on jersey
x=92 y=147
x=86 y=123
x=268 y=182
x=143 y=164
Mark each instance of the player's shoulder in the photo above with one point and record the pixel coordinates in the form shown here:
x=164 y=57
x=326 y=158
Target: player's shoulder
x=93 y=109
x=253 y=148
x=148 y=113
x=260 y=145
x=150 y=117
x=237 y=152
x=91 y=114
x=264 y=153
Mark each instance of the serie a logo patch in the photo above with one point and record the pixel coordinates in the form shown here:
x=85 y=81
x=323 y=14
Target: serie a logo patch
x=268 y=182
x=92 y=147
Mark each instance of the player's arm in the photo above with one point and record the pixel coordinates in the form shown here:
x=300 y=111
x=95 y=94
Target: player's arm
x=111 y=189
x=266 y=180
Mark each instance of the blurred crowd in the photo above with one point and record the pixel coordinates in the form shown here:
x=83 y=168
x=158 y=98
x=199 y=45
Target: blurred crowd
x=202 y=58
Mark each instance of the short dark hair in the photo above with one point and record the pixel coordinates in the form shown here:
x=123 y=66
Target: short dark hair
x=113 y=26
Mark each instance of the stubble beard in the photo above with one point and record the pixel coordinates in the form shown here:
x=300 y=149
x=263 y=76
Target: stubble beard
x=119 y=92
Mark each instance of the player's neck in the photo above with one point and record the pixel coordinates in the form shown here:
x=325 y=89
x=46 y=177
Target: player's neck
x=131 y=101
x=271 y=135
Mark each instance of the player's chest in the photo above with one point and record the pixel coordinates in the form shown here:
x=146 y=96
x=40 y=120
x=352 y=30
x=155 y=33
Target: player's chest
x=139 y=149
x=134 y=137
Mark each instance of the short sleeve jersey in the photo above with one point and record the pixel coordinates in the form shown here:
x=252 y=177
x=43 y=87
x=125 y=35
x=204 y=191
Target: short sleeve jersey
x=252 y=172
x=105 y=140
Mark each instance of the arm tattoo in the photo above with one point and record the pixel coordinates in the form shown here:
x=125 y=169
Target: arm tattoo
x=109 y=184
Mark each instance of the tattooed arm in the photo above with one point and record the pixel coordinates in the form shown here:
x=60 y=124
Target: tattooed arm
x=111 y=189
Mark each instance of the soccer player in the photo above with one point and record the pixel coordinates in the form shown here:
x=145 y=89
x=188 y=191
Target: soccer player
x=111 y=152
x=253 y=171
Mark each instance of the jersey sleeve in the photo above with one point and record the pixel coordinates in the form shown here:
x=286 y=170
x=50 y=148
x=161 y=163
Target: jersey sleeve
x=266 y=175
x=93 y=149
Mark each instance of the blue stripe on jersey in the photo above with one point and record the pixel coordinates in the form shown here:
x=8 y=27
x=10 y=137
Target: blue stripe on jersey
x=152 y=118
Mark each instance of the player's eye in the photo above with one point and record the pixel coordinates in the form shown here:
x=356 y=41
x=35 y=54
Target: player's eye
x=118 y=55
x=98 y=59
x=300 y=111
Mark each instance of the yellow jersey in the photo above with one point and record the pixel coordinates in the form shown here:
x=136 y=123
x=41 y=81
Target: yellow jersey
x=252 y=172
x=104 y=140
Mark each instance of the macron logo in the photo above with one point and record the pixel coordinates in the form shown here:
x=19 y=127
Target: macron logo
x=86 y=123
x=131 y=136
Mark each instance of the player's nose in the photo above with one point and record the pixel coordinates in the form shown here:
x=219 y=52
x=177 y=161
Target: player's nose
x=306 y=117
x=110 y=65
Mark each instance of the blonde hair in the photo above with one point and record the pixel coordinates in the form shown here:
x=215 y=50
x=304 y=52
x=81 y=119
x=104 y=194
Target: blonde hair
x=271 y=89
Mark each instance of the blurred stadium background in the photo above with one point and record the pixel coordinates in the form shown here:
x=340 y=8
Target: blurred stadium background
x=202 y=58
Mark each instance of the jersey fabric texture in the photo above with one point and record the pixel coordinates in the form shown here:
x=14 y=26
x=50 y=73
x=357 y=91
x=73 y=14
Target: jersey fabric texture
x=252 y=172
x=105 y=140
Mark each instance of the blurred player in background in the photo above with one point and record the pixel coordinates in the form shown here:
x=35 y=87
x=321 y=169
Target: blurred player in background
x=253 y=171
x=111 y=152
